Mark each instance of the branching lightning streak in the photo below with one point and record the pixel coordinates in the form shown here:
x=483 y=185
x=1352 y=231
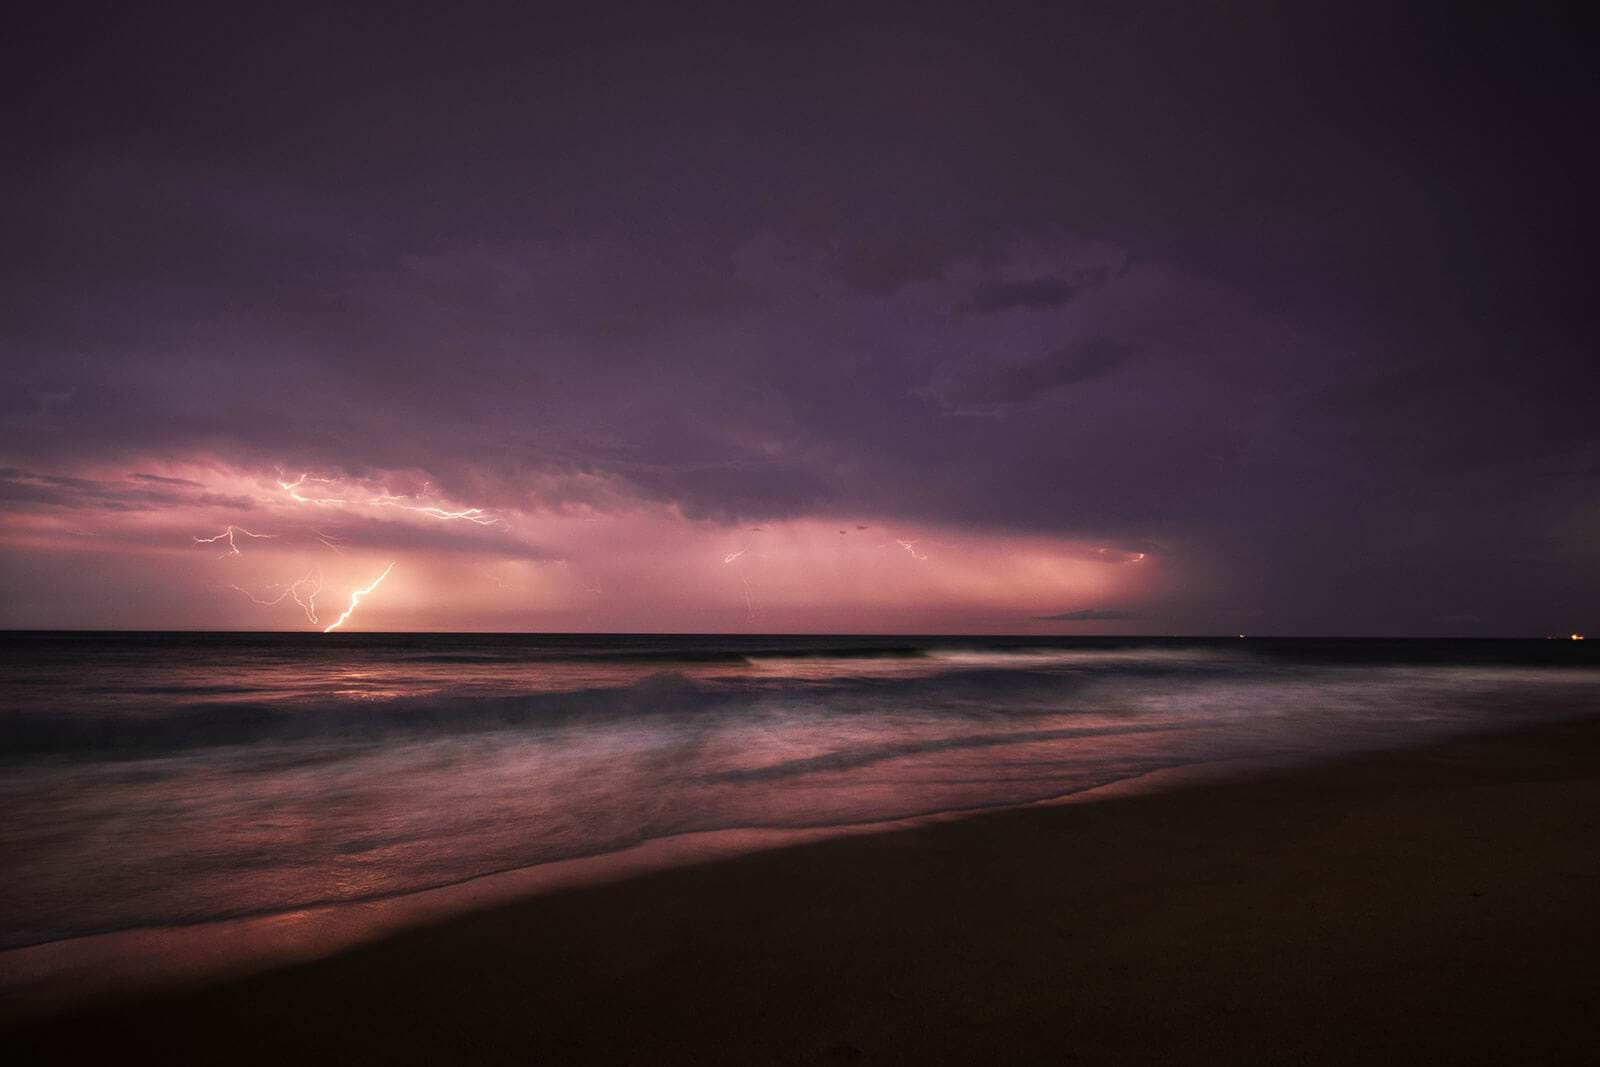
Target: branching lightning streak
x=227 y=535
x=326 y=540
x=473 y=515
x=355 y=599
x=293 y=489
x=911 y=547
x=477 y=516
x=307 y=602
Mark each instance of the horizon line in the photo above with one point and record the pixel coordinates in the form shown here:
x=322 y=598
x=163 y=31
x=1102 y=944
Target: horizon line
x=343 y=634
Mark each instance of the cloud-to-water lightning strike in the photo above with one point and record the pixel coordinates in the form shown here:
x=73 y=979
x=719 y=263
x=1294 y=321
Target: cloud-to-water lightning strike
x=749 y=602
x=355 y=599
x=227 y=535
x=309 y=604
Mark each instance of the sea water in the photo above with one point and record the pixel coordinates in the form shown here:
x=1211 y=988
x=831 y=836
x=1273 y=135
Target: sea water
x=159 y=779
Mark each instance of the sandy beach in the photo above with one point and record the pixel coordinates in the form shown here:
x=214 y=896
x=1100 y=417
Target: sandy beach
x=1434 y=903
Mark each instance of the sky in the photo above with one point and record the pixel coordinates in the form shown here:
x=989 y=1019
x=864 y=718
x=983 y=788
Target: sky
x=1070 y=318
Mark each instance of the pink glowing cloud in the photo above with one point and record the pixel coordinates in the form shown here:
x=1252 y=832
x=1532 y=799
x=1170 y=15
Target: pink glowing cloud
x=104 y=551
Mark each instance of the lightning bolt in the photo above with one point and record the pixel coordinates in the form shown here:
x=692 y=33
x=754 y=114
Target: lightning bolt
x=227 y=535
x=355 y=599
x=293 y=489
x=307 y=602
x=911 y=547
x=473 y=515
x=749 y=603
x=477 y=516
x=326 y=540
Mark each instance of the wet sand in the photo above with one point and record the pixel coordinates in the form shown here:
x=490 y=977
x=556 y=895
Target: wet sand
x=1432 y=904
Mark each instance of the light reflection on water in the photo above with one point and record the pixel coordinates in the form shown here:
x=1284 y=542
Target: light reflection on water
x=152 y=780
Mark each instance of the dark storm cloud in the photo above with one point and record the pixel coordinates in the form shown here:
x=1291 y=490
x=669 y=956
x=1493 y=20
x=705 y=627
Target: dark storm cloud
x=1034 y=293
x=1087 y=615
x=1038 y=293
x=880 y=264
x=1015 y=382
x=160 y=479
x=137 y=493
x=730 y=491
x=748 y=266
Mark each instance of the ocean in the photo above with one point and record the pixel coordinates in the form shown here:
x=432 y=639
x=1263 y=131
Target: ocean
x=155 y=779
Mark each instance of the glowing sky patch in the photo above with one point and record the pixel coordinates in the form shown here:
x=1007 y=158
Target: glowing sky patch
x=642 y=567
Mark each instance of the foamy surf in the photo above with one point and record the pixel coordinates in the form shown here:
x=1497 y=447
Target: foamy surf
x=167 y=780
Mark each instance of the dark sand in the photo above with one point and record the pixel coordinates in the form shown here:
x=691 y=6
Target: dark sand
x=1438 y=904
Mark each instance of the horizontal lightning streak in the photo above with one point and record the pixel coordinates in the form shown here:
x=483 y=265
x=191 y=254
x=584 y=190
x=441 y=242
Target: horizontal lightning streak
x=293 y=489
x=477 y=516
x=227 y=535
x=473 y=515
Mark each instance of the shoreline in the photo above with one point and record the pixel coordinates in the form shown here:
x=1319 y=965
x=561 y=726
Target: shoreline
x=75 y=973
x=1127 y=887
